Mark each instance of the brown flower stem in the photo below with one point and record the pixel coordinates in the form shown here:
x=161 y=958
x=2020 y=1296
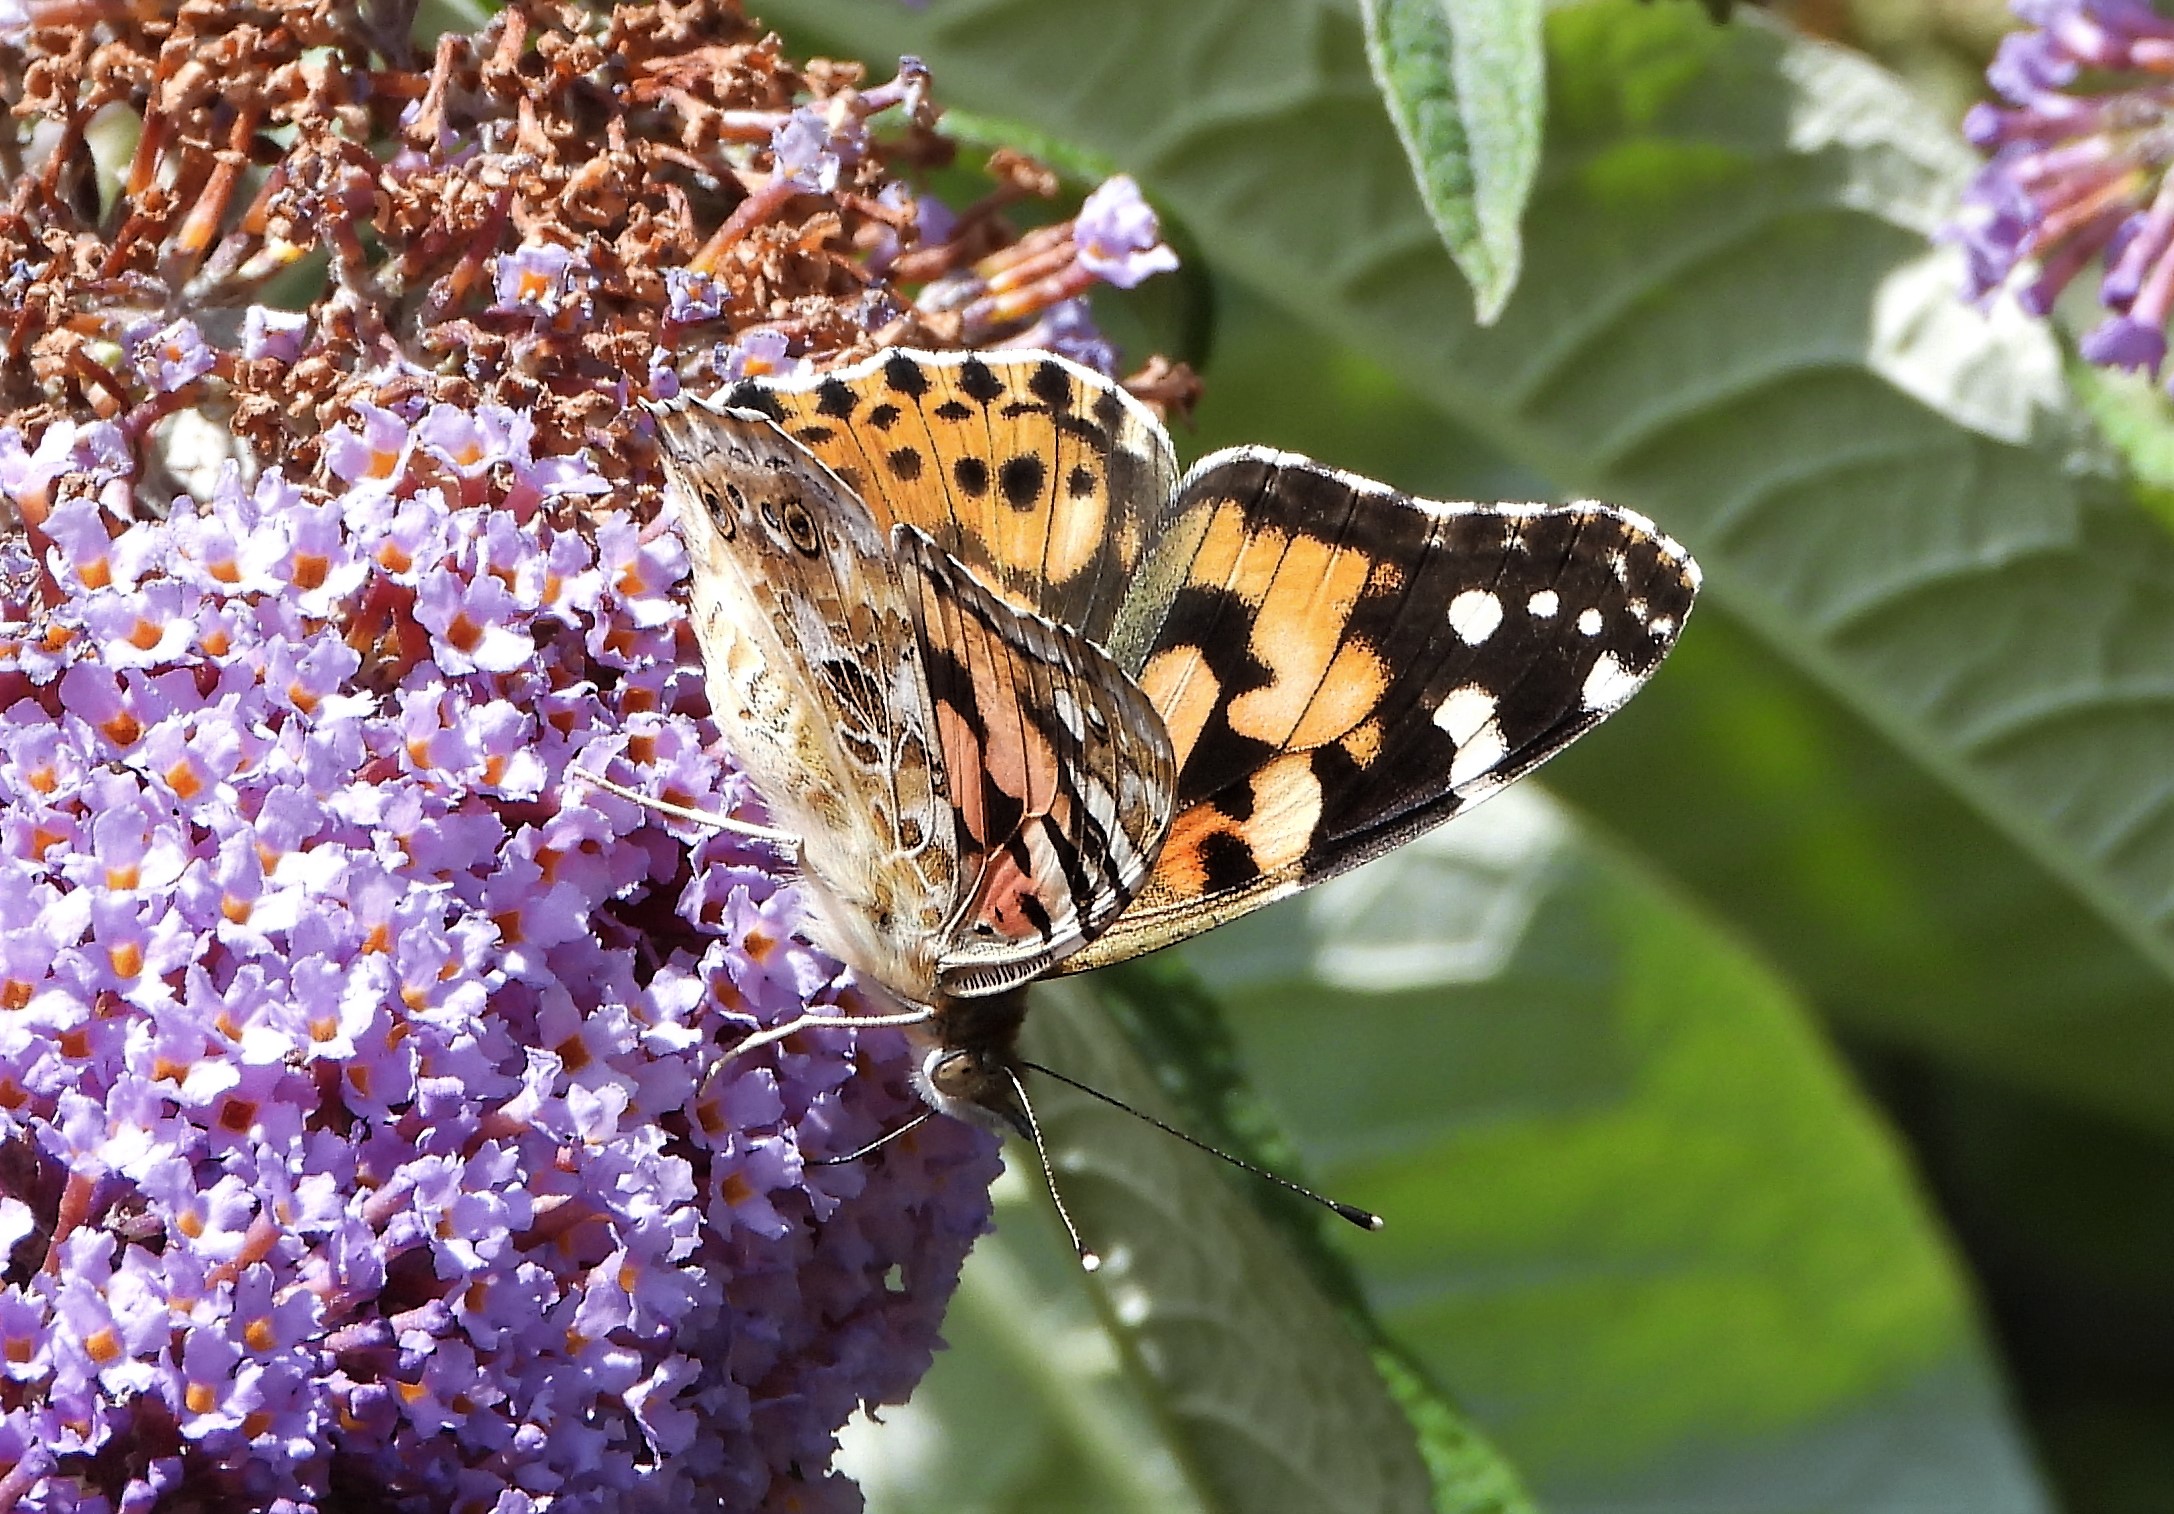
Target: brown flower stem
x=751 y=212
x=75 y=1209
x=202 y=221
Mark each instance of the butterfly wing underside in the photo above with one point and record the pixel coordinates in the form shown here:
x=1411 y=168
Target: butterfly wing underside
x=815 y=678
x=1342 y=666
x=1060 y=773
x=1045 y=479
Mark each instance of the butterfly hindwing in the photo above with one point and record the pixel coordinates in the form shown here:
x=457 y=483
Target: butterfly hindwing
x=1045 y=479
x=1061 y=775
x=814 y=671
x=1342 y=666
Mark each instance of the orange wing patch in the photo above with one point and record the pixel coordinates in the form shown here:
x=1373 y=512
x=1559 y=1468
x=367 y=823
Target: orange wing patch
x=1045 y=479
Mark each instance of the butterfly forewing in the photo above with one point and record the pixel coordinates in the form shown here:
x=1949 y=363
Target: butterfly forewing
x=1061 y=775
x=1045 y=479
x=815 y=678
x=1342 y=666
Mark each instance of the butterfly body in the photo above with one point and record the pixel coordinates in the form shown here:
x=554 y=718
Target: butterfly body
x=1036 y=704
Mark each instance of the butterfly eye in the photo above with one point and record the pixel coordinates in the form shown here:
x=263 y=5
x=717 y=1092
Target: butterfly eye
x=953 y=1074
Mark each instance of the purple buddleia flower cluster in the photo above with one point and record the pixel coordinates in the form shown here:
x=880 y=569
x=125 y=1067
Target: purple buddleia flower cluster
x=2078 y=170
x=370 y=1132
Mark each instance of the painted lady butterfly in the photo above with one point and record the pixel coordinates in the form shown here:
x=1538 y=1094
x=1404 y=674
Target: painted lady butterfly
x=1030 y=703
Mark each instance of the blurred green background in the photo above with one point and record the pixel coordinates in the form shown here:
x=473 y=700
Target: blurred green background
x=1771 y=1106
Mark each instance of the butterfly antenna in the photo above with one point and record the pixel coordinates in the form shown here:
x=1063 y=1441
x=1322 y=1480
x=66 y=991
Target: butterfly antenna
x=878 y=1143
x=1365 y=1219
x=1088 y=1261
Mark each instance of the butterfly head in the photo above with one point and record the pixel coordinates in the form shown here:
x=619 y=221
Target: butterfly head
x=970 y=1066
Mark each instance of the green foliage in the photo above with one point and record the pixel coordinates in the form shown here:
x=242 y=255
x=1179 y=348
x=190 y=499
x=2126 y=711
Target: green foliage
x=1906 y=777
x=1465 y=83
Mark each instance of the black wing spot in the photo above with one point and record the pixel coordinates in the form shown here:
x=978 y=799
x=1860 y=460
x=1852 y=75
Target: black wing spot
x=1096 y=436
x=1031 y=907
x=1236 y=802
x=904 y=376
x=884 y=416
x=1227 y=862
x=1021 y=480
x=1080 y=482
x=814 y=436
x=978 y=382
x=746 y=396
x=972 y=475
x=834 y=398
x=905 y=463
x=952 y=410
x=1052 y=386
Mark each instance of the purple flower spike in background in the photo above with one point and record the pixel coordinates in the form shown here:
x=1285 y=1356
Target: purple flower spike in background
x=2077 y=178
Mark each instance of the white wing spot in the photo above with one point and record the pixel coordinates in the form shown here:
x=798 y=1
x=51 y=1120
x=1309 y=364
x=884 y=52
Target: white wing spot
x=1544 y=604
x=1607 y=686
x=1662 y=625
x=1637 y=608
x=1619 y=565
x=1478 y=757
x=1463 y=711
x=1467 y=717
x=1589 y=622
x=1473 y=615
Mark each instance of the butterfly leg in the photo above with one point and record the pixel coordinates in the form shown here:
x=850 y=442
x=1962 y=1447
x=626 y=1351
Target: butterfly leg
x=784 y=842
x=812 y=1021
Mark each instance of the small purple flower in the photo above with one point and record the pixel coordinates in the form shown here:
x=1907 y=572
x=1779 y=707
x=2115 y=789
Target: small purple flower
x=372 y=456
x=1119 y=237
x=475 y=623
x=172 y=356
x=536 y=280
x=758 y=354
x=277 y=334
x=2075 y=179
x=694 y=295
x=2123 y=342
x=472 y=443
x=816 y=143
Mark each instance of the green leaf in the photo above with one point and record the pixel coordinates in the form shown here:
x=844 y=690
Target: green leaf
x=1465 y=82
x=1730 y=320
x=1027 y=1353
x=1268 y=1398
x=1237 y=1372
x=1637 y=1218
